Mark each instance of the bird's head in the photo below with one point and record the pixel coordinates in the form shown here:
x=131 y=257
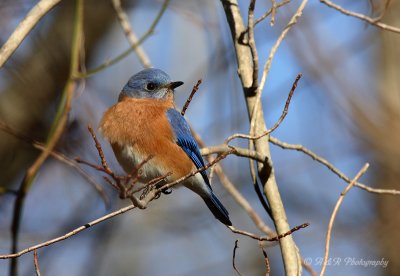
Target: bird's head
x=149 y=84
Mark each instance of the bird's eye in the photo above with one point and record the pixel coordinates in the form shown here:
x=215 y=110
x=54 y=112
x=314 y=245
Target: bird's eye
x=150 y=86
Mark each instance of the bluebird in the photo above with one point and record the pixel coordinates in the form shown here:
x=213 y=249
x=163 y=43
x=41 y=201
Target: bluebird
x=145 y=122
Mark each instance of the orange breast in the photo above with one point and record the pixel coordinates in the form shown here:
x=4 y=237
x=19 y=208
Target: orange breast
x=137 y=128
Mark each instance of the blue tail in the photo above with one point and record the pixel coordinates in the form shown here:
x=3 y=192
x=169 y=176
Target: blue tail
x=217 y=208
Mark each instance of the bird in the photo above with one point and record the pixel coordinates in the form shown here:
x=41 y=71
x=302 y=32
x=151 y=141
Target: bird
x=145 y=122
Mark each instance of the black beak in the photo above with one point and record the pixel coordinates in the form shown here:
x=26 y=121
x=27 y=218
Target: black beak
x=175 y=84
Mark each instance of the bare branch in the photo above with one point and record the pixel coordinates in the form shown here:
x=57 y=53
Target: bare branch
x=290 y=254
x=273 y=12
x=58 y=156
x=194 y=90
x=267 y=65
x=242 y=152
x=331 y=167
x=120 y=57
x=277 y=124
x=267 y=13
x=36 y=263
x=361 y=16
x=100 y=151
x=69 y=234
x=264 y=238
x=56 y=130
x=130 y=34
x=335 y=210
x=24 y=27
x=266 y=260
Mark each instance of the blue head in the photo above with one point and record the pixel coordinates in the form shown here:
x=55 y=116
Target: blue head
x=149 y=83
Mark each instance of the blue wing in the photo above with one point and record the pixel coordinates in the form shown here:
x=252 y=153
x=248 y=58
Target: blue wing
x=185 y=140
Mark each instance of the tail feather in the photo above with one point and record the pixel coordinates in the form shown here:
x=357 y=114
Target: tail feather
x=217 y=208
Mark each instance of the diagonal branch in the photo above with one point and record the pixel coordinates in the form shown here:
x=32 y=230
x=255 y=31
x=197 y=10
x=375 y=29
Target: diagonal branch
x=24 y=27
x=361 y=16
x=130 y=34
x=335 y=210
x=276 y=125
x=58 y=156
x=121 y=56
x=57 y=128
x=330 y=166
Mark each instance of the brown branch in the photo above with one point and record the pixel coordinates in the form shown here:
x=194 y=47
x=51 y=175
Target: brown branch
x=335 y=210
x=277 y=124
x=141 y=203
x=266 y=260
x=361 y=16
x=56 y=130
x=124 y=184
x=69 y=234
x=24 y=27
x=36 y=263
x=268 y=63
x=331 y=167
x=267 y=13
x=269 y=239
x=242 y=152
x=121 y=56
x=194 y=90
x=100 y=152
x=234 y=257
x=58 y=156
x=130 y=34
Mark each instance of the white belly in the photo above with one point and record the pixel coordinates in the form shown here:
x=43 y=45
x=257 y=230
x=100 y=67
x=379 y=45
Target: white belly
x=129 y=159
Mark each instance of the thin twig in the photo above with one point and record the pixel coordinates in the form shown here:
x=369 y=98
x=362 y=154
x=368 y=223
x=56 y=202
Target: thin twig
x=277 y=124
x=335 y=210
x=24 y=27
x=120 y=57
x=361 y=16
x=130 y=34
x=273 y=12
x=266 y=260
x=140 y=203
x=242 y=152
x=264 y=238
x=331 y=167
x=58 y=156
x=267 y=13
x=100 y=151
x=268 y=63
x=36 y=263
x=252 y=43
x=194 y=90
x=56 y=130
x=69 y=234
x=234 y=257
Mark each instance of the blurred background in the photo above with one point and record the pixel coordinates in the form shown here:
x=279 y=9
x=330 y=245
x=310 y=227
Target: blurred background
x=346 y=109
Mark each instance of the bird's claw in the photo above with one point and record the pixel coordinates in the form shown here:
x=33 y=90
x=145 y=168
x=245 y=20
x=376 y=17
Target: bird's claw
x=166 y=191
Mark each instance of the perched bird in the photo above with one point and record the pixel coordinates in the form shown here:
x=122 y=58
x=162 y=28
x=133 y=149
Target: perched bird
x=145 y=122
